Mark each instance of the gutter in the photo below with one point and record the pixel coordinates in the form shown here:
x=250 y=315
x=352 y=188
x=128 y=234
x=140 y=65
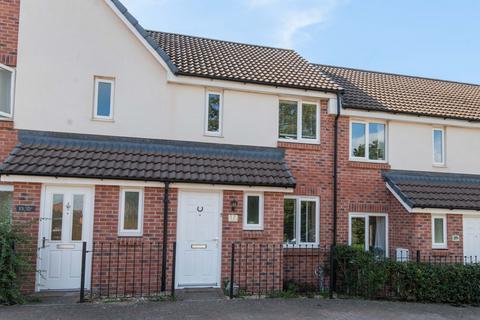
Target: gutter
x=335 y=196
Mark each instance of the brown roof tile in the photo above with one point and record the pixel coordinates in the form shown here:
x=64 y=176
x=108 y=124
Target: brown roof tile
x=105 y=157
x=386 y=92
x=233 y=61
x=435 y=190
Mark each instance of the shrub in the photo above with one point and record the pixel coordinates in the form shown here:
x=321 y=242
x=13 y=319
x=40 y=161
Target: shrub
x=11 y=262
x=364 y=274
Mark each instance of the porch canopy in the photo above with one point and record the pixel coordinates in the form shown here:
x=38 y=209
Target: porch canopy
x=106 y=157
x=418 y=190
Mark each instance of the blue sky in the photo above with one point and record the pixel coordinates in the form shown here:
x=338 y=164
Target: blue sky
x=432 y=38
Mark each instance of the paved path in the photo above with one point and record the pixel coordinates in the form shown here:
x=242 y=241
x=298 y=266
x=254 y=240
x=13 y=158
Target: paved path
x=273 y=309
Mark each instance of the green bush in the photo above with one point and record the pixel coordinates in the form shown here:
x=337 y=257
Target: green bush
x=11 y=262
x=364 y=274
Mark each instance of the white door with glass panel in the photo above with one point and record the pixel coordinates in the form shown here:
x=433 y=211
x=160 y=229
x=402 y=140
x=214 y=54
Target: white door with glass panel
x=65 y=223
x=198 y=241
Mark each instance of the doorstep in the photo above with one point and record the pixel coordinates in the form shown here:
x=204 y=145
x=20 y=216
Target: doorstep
x=210 y=294
x=54 y=297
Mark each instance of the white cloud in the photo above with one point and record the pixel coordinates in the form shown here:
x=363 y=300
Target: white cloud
x=292 y=16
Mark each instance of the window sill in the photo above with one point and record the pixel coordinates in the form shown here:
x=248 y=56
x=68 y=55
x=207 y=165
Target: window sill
x=246 y=228
x=212 y=135
x=307 y=141
x=439 y=165
x=130 y=235
x=440 y=248
x=103 y=119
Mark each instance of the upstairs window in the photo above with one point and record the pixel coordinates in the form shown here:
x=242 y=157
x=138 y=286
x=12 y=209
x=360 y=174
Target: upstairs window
x=213 y=125
x=301 y=220
x=103 y=101
x=367 y=141
x=298 y=121
x=438 y=147
x=6 y=91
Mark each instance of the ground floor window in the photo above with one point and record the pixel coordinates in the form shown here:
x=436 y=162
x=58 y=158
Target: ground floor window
x=439 y=232
x=131 y=212
x=301 y=221
x=6 y=199
x=369 y=232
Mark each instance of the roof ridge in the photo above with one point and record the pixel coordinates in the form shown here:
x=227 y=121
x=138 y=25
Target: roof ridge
x=224 y=41
x=396 y=74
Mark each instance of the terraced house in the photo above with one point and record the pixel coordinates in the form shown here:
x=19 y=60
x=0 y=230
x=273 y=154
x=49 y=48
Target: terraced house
x=171 y=148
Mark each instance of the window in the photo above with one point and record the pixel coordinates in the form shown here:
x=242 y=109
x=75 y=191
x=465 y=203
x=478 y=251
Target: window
x=6 y=199
x=213 y=113
x=6 y=91
x=367 y=141
x=438 y=147
x=301 y=220
x=131 y=212
x=298 y=121
x=253 y=211
x=369 y=232
x=439 y=232
x=104 y=94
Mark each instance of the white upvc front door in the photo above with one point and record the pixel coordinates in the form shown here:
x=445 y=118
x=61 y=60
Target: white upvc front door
x=198 y=239
x=471 y=238
x=66 y=221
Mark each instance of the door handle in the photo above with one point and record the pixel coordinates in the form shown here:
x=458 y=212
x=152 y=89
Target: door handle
x=43 y=242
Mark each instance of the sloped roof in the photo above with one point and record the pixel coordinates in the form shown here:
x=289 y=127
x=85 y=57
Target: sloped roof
x=420 y=189
x=224 y=60
x=106 y=157
x=202 y=57
x=386 y=92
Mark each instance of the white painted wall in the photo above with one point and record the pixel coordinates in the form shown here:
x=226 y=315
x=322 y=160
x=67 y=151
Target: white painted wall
x=64 y=44
x=410 y=148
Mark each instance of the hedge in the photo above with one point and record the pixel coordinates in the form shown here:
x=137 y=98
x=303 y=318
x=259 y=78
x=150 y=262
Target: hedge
x=366 y=275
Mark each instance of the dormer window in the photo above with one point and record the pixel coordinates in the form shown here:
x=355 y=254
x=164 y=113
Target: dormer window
x=6 y=91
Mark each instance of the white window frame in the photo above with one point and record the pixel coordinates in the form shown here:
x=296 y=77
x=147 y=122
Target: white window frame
x=367 y=216
x=218 y=133
x=439 y=164
x=367 y=146
x=298 y=207
x=247 y=226
x=121 y=230
x=299 y=139
x=444 y=244
x=95 y=98
x=12 y=91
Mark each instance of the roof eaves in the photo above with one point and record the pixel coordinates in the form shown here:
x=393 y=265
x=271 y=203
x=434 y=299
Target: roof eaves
x=410 y=113
x=155 y=46
x=183 y=73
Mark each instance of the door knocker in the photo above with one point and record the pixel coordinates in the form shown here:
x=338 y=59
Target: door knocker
x=200 y=210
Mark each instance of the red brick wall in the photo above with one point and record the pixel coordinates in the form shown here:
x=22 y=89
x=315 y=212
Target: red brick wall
x=259 y=248
x=28 y=194
x=135 y=265
x=9 y=15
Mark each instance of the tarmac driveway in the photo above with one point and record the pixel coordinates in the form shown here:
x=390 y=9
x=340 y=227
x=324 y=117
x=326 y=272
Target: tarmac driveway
x=302 y=309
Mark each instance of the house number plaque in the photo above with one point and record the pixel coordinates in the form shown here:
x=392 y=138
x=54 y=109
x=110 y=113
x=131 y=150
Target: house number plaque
x=22 y=208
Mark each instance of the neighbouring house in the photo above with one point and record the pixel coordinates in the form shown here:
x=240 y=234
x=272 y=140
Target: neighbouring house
x=115 y=134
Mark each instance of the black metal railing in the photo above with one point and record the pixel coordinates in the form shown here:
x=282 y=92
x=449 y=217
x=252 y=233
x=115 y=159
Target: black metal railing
x=258 y=268
x=127 y=269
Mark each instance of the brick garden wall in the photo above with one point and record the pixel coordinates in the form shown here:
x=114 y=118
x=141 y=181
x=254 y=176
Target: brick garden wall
x=28 y=194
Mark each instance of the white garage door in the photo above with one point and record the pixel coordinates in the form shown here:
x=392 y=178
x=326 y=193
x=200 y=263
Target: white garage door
x=471 y=237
